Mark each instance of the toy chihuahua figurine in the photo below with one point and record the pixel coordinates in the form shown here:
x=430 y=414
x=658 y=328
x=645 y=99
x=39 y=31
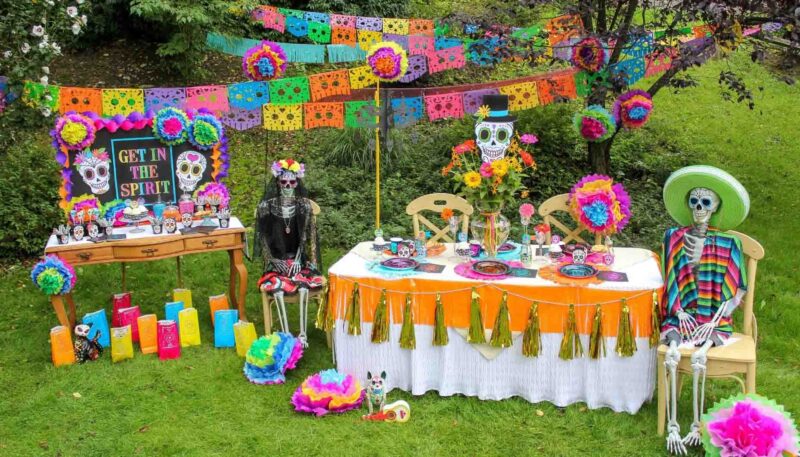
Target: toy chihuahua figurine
x=86 y=349
x=376 y=393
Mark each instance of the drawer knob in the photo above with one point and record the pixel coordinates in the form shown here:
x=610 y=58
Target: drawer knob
x=210 y=243
x=149 y=252
x=84 y=256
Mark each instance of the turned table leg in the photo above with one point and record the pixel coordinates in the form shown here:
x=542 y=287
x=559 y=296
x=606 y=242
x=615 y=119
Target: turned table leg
x=238 y=270
x=61 y=312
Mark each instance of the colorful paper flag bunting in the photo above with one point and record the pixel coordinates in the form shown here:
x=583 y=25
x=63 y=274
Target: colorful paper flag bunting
x=283 y=117
x=248 y=95
x=443 y=106
x=157 y=99
x=328 y=84
x=323 y=115
x=361 y=77
x=123 y=101
x=521 y=96
x=289 y=90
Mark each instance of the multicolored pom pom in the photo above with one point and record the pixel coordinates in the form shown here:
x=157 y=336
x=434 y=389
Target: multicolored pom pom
x=214 y=189
x=171 y=126
x=264 y=61
x=595 y=123
x=589 y=54
x=388 y=61
x=601 y=205
x=270 y=357
x=328 y=392
x=205 y=131
x=53 y=275
x=632 y=109
x=74 y=131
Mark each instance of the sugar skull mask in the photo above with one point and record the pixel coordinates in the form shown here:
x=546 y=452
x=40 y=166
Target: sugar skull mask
x=703 y=203
x=189 y=169
x=493 y=138
x=93 y=167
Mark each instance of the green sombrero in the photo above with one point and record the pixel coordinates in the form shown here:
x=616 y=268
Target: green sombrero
x=734 y=199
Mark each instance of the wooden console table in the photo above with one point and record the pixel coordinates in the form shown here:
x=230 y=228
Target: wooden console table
x=144 y=247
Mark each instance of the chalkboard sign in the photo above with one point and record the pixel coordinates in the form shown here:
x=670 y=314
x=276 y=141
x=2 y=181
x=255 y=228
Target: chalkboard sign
x=133 y=164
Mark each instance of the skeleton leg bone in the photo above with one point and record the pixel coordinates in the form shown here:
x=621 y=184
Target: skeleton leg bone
x=303 y=316
x=699 y=359
x=671 y=360
x=281 y=311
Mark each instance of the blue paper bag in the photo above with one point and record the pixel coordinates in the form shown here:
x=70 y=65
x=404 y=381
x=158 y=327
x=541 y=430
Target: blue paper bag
x=223 y=328
x=171 y=310
x=99 y=323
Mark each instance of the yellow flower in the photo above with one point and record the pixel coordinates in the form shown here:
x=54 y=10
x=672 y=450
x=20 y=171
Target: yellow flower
x=514 y=164
x=283 y=163
x=73 y=132
x=483 y=112
x=500 y=168
x=295 y=167
x=472 y=179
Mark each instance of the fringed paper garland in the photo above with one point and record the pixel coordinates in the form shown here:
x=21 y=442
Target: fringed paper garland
x=407 y=338
x=532 y=338
x=476 y=333
x=571 y=345
x=597 y=344
x=380 y=323
x=501 y=332
x=655 y=323
x=440 y=337
x=354 y=313
x=625 y=344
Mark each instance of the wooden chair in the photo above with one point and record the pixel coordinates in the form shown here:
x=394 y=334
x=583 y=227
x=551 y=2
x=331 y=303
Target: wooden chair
x=267 y=300
x=737 y=358
x=560 y=203
x=437 y=202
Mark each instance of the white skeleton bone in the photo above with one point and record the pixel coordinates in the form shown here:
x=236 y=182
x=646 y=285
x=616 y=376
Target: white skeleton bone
x=493 y=138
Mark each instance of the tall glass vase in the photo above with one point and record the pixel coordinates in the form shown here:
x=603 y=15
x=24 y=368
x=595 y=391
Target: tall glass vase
x=491 y=227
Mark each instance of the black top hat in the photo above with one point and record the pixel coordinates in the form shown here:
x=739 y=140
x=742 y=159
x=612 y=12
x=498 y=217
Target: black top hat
x=498 y=108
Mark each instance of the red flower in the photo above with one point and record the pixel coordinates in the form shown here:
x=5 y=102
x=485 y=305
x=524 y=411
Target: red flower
x=464 y=147
x=527 y=159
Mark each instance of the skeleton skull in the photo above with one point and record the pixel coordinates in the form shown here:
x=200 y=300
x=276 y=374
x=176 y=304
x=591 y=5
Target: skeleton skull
x=93 y=167
x=288 y=183
x=703 y=203
x=189 y=169
x=493 y=138
x=579 y=256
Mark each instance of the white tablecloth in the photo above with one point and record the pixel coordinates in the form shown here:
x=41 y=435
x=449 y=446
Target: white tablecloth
x=622 y=384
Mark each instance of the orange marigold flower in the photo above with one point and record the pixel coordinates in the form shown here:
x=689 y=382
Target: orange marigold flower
x=447 y=213
x=527 y=158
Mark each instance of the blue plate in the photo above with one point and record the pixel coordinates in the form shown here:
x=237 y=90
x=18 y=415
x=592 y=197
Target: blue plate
x=577 y=271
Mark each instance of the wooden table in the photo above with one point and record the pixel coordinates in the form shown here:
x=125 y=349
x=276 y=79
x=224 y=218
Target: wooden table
x=145 y=247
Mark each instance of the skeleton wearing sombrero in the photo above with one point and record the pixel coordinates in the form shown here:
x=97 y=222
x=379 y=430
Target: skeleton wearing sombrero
x=705 y=279
x=288 y=241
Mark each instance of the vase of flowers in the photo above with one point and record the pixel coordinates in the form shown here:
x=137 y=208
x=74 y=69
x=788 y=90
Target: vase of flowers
x=490 y=186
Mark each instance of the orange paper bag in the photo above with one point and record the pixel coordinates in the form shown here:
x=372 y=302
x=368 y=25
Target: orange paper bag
x=148 y=333
x=61 y=346
x=216 y=303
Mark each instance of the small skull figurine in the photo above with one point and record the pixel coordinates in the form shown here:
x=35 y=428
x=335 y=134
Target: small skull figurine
x=376 y=392
x=703 y=203
x=170 y=225
x=579 y=256
x=405 y=249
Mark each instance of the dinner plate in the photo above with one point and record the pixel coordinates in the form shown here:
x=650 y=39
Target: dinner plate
x=490 y=268
x=506 y=247
x=400 y=264
x=577 y=271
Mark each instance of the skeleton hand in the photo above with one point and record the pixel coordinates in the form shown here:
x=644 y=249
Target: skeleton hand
x=296 y=265
x=702 y=333
x=687 y=324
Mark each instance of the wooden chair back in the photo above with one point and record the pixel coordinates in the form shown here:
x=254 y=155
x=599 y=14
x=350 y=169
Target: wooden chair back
x=753 y=252
x=560 y=203
x=437 y=202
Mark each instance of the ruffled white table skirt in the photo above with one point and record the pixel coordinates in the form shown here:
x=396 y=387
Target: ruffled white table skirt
x=620 y=383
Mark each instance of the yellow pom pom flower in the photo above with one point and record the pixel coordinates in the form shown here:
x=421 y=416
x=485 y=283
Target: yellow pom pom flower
x=500 y=168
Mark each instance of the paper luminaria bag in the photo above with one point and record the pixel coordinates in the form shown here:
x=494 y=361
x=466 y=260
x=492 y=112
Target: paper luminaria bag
x=129 y=317
x=121 y=344
x=223 y=328
x=172 y=310
x=217 y=303
x=183 y=295
x=244 y=333
x=189 y=327
x=63 y=353
x=99 y=324
x=119 y=301
x=148 y=337
x=169 y=342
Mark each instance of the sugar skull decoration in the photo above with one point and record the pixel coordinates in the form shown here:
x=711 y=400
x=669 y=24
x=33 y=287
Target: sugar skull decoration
x=93 y=167
x=287 y=172
x=189 y=168
x=495 y=127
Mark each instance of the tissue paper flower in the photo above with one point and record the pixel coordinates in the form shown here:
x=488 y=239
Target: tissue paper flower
x=594 y=123
x=600 y=204
x=589 y=54
x=264 y=61
x=270 y=357
x=328 y=392
x=205 y=131
x=74 y=131
x=632 y=109
x=388 y=61
x=53 y=275
x=171 y=126
x=526 y=210
x=214 y=189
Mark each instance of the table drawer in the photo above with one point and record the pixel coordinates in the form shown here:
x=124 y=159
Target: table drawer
x=89 y=255
x=211 y=242
x=148 y=251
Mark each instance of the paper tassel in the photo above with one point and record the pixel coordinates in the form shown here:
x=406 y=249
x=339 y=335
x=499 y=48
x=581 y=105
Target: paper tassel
x=354 y=314
x=339 y=53
x=440 y=337
x=597 y=344
x=304 y=53
x=322 y=310
x=532 y=338
x=380 y=323
x=571 y=346
x=501 y=333
x=407 y=338
x=625 y=344
x=655 y=323
x=476 y=334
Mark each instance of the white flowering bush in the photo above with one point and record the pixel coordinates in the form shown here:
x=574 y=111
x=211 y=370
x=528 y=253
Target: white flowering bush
x=32 y=33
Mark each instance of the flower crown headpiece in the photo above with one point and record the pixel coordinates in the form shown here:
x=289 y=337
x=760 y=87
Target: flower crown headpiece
x=87 y=155
x=288 y=165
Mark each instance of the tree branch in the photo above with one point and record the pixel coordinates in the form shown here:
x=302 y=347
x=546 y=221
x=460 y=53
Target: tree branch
x=623 y=33
x=601 y=16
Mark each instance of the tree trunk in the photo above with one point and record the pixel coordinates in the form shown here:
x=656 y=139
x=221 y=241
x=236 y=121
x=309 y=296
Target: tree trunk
x=600 y=157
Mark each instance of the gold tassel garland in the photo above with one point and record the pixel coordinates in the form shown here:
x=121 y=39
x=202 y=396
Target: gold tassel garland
x=655 y=322
x=597 y=344
x=322 y=309
x=476 y=334
x=501 y=333
x=625 y=344
x=407 y=338
x=440 y=337
x=532 y=338
x=354 y=313
x=571 y=346
x=380 y=323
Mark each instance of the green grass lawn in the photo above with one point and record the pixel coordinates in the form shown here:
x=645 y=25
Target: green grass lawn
x=201 y=404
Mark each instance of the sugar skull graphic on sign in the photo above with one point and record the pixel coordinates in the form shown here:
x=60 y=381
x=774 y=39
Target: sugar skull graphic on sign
x=189 y=169
x=93 y=168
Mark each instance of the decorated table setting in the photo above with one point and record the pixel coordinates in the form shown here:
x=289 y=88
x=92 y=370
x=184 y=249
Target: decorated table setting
x=497 y=318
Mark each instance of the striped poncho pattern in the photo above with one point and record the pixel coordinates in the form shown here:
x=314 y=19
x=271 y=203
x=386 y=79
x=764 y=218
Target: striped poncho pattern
x=720 y=274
